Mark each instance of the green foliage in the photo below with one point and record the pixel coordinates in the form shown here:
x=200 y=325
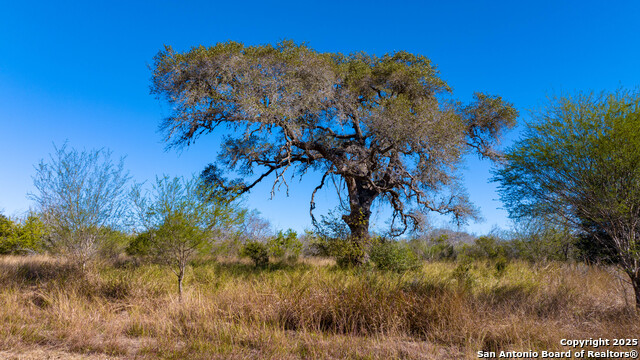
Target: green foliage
x=578 y=158
x=595 y=245
x=438 y=248
x=463 y=274
x=6 y=235
x=180 y=233
x=114 y=244
x=487 y=247
x=346 y=252
x=332 y=238
x=501 y=266
x=285 y=246
x=539 y=240
x=317 y=245
x=182 y=217
x=5 y=226
x=23 y=236
x=140 y=245
x=579 y=162
x=257 y=252
x=393 y=255
x=441 y=249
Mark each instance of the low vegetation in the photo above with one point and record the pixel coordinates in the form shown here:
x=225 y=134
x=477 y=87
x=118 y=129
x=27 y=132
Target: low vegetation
x=311 y=310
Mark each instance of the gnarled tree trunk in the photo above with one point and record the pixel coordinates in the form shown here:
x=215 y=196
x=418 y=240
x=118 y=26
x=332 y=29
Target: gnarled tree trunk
x=361 y=197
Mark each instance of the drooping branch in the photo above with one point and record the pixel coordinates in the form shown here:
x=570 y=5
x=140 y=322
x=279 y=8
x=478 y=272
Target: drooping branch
x=312 y=205
x=377 y=124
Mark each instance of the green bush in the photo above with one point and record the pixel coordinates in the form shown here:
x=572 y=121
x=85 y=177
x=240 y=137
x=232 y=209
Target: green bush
x=393 y=256
x=114 y=244
x=501 y=266
x=441 y=249
x=285 y=246
x=487 y=248
x=6 y=235
x=462 y=272
x=332 y=238
x=140 y=245
x=538 y=240
x=21 y=237
x=345 y=252
x=257 y=252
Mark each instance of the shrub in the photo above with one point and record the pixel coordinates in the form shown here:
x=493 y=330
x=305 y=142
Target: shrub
x=345 y=252
x=331 y=238
x=441 y=249
x=501 y=266
x=539 y=239
x=319 y=245
x=488 y=248
x=393 y=255
x=462 y=273
x=114 y=244
x=140 y=245
x=285 y=246
x=78 y=195
x=313 y=245
x=257 y=252
x=21 y=237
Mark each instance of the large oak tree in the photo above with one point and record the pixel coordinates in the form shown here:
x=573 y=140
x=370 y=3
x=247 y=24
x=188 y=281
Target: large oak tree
x=379 y=128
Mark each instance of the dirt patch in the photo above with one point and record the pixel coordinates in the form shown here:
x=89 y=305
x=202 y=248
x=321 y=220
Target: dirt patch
x=51 y=354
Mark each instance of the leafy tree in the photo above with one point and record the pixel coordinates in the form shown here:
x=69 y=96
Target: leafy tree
x=6 y=226
x=379 y=128
x=6 y=234
x=79 y=194
x=28 y=235
x=543 y=239
x=181 y=218
x=140 y=244
x=257 y=252
x=578 y=161
x=393 y=255
x=594 y=245
x=285 y=245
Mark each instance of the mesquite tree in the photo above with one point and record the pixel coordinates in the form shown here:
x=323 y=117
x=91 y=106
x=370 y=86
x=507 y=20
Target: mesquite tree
x=182 y=218
x=577 y=163
x=378 y=128
x=79 y=195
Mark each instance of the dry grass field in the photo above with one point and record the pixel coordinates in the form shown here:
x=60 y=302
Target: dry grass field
x=313 y=310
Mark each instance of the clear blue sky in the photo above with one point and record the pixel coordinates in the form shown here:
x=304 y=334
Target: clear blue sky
x=79 y=71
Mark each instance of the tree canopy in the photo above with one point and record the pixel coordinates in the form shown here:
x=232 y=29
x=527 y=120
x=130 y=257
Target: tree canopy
x=578 y=162
x=181 y=218
x=79 y=195
x=378 y=128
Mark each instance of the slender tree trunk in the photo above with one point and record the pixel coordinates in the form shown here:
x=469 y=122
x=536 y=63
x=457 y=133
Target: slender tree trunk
x=635 y=281
x=180 y=277
x=360 y=200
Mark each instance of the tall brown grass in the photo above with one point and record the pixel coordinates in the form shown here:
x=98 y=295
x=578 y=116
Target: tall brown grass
x=308 y=311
